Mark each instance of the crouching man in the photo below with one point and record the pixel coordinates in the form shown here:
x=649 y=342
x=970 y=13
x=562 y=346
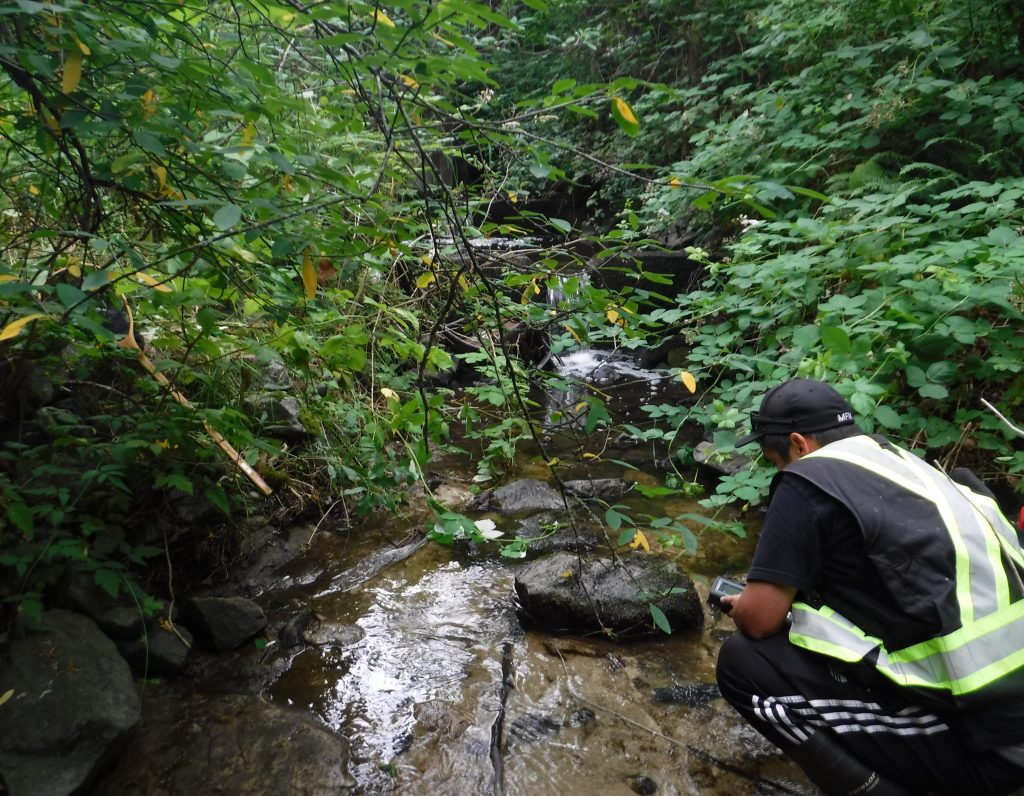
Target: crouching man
x=881 y=641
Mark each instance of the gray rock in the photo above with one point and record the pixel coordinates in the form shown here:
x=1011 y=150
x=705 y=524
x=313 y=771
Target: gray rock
x=603 y=488
x=79 y=592
x=225 y=622
x=550 y=532
x=566 y=593
x=335 y=634
x=74 y=702
x=160 y=653
x=231 y=744
x=282 y=417
x=707 y=454
x=372 y=565
x=527 y=496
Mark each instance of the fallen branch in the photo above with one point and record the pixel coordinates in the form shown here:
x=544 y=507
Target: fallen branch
x=128 y=341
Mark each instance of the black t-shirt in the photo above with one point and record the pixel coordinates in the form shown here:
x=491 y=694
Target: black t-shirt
x=812 y=542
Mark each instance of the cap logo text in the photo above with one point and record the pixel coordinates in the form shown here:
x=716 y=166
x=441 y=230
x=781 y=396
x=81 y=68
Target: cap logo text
x=843 y=417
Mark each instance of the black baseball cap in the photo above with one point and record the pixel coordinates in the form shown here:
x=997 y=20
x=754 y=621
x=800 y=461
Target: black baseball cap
x=801 y=405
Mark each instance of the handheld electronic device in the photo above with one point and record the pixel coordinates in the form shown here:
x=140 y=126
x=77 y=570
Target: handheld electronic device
x=720 y=588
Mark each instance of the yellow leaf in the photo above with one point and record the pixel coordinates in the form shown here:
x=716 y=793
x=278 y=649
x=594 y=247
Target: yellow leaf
x=442 y=39
x=72 y=71
x=624 y=110
x=248 y=134
x=14 y=328
x=675 y=182
x=308 y=273
x=146 y=279
x=589 y=455
x=8 y=278
x=513 y=197
x=383 y=18
x=425 y=279
x=410 y=82
x=84 y=48
x=463 y=283
x=688 y=381
x=74 y=267
x=33 y=190
x=427 y=259
x=640 y=541
x=387 y=392
x=552 y=462
x=161 y=176
x=566 y=573
x=6 y=695
x=613 y=316
x=571 y=331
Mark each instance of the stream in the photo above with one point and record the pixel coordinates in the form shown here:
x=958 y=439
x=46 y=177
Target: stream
x=426 y=669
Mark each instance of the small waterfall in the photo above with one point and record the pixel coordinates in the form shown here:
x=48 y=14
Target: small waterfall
x=586 y=372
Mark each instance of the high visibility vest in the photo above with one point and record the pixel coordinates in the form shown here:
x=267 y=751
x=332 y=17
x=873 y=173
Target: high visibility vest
x=942 y=548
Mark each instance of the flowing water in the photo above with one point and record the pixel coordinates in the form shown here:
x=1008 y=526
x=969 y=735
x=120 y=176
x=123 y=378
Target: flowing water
x=441 y=690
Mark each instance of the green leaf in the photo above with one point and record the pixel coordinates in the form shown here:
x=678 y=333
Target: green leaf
x=887 y=417
x=109 y=580
x=613 y=518
x=20 y=516
x=227 y=217
x=660 y=620
x=835 y=339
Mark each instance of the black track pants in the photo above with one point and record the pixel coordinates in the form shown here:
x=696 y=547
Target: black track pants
x=788 y=693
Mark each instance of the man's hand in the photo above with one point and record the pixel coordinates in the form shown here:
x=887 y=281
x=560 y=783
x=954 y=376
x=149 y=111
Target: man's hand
x=761 y=609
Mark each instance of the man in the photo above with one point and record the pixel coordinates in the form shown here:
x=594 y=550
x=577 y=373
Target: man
x=881 y=641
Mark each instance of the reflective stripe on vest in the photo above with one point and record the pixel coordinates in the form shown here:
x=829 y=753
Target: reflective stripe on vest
x=990 y=641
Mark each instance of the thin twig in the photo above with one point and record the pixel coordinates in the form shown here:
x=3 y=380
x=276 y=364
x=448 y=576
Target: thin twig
x=1018 y=431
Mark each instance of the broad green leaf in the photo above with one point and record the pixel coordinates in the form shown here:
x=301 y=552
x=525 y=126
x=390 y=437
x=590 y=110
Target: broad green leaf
x=227 y=217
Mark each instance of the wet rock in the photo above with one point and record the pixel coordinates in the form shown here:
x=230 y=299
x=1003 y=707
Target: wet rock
x=74 y=701
x=161 y=652
x=323 y=633
x=564 y=593
x=690 y=694
x=290 y=634
x=643 y=785
x=372 y=565
x=582 y=717
x=532 y=728
x=520 y=497
x=707 y=454
x=550 y=532
x=231 y=744
x=602 y=488
x=225 y=622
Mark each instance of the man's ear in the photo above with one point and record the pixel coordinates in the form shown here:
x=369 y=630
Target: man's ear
x=801 y=445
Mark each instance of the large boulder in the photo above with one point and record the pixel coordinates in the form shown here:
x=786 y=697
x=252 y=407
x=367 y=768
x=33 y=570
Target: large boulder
x=228 y=744
x=73 y=702
x=566 y=593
